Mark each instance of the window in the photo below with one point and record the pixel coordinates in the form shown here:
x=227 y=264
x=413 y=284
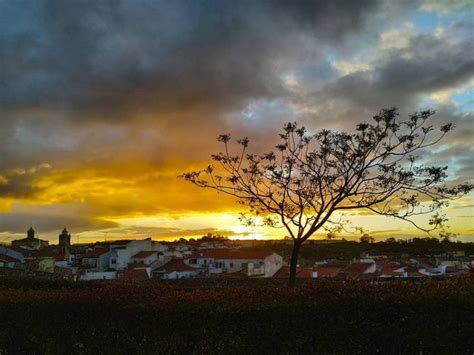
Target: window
x=113 y=261
x=231 y=265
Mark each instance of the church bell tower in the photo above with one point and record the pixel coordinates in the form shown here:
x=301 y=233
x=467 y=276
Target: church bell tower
x=65 y=238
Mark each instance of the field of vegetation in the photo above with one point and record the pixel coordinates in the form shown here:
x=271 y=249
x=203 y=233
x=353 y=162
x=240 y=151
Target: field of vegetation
x=210 y=317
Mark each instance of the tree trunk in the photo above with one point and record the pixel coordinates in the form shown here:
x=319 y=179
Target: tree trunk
x=294 y=263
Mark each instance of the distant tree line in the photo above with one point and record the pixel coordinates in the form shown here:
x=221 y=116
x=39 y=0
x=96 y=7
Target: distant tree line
x=209 y=237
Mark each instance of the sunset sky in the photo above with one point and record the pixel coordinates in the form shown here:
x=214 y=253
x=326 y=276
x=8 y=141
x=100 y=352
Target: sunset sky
x=104 y=103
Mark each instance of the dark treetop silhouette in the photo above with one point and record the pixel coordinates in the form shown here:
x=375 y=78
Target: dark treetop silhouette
x=308 y=177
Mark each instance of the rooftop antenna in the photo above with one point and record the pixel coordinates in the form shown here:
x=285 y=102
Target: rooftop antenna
x=105 y=236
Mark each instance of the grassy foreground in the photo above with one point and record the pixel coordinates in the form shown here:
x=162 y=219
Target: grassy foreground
x=203 y=317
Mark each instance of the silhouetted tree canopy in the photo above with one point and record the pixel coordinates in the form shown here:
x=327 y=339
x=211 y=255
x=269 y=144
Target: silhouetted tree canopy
x=310 y=178
x=365 y=238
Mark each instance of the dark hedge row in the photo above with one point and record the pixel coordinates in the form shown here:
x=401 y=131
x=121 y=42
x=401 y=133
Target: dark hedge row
x=259 y=317
x=27 y=282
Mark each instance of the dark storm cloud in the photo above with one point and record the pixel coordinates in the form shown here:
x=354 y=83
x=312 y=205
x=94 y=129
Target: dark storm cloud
x=405 y=77
x=19 y=183
x=20 y=187
x=110 y=55
x=170 y=63
x=427 y=65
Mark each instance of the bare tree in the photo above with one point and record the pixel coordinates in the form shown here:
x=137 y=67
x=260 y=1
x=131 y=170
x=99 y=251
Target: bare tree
x=309 y=179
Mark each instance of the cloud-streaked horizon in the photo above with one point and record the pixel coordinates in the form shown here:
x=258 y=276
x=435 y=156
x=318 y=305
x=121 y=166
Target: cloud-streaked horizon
x=103 y=104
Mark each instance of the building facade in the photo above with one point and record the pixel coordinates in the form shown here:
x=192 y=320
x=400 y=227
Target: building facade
x=30 y=241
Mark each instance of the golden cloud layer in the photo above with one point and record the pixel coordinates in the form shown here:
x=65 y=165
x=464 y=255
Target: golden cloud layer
x=141 y=199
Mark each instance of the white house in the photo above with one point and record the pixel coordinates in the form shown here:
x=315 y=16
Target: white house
x=453 y=260
x=122 y=254
x=176 y=269
x=437 y=271
x=10 y=258
x=144 y=257
x=392 y=270
x=97 y=259
x=183 y=248
x=8 y=261
x=252 y=263
x=173 y=254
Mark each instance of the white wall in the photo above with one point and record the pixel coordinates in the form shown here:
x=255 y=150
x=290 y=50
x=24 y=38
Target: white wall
x=62 y=263
x=200 y=262
x=98 y=275
x=103 y=261
x=273 y=263
x=175 y=275
x=150 y=259
x=371 y=269
x=8 y=264
x=440 y=270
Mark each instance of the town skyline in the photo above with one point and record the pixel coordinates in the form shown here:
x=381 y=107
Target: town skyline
x=100 y=113
x=322 y=236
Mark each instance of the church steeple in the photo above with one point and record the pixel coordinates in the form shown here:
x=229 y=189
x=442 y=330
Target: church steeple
x=31 y=233
x=65 y=238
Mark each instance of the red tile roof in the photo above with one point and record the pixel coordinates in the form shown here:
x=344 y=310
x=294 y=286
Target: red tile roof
x=390 y=269
x=357 y=267
x=176 y=265
x=356 y=270
x=144 y=254
x=229 y=254
x=384 y=262
x=22 y=251
x=425 y=261
x=327 y=270
x=137 y=265
x=58 y=253
x=95 y=253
